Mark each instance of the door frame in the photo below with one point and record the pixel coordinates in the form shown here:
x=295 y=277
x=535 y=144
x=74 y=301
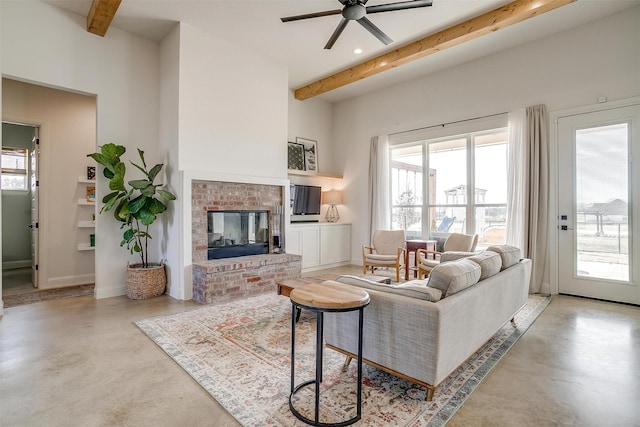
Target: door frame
x=41 y=125
x=554 y=213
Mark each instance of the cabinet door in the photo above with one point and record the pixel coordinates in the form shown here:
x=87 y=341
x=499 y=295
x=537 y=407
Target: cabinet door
x=294 y=241
x=305 y=240
x=335 y=244
x=310 y=246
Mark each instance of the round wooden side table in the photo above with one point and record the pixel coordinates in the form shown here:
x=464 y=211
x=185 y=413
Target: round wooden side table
x=322 y=298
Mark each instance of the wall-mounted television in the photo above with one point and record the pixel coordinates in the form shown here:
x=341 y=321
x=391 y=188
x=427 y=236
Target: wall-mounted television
x=305 y=199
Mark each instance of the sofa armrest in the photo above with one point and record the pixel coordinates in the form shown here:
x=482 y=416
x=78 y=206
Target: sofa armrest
x=396 y=333
x=470 y=317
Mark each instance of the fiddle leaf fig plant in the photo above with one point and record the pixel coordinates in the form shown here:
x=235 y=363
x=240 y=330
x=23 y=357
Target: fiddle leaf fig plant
x=136 y=203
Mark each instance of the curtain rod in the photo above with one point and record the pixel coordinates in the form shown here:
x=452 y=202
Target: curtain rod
x=449 y=123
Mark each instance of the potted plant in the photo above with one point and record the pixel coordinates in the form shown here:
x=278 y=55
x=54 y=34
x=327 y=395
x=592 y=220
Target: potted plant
x=136 y=204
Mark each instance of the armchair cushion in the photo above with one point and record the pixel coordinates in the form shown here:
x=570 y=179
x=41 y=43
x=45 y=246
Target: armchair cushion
x=387 y=242
x=455 y=276
x=510 y=255
x=379 y=259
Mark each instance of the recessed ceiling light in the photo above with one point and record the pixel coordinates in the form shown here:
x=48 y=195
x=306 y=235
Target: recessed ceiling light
x=357 y=51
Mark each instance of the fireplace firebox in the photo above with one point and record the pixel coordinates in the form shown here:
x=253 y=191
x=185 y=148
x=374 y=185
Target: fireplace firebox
x=233 y=233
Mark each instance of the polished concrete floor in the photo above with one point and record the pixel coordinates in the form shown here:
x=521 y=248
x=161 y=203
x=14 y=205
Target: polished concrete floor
x=82 y=362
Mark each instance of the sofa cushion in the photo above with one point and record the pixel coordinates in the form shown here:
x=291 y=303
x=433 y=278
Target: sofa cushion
x=454 y=255
x=414 y=288
x=454 y=276
x=510 y=255
x=489 y=262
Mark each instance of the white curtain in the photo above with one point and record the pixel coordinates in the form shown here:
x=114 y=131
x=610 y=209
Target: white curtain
x=528 y=187
x=516 y=181
x=379 y=184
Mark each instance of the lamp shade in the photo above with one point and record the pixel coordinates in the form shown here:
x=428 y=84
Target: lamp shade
x=332 y=197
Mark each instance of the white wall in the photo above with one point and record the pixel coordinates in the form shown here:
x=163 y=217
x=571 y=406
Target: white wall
x=169 y=102
x=67 y=133
x=568 y=69
x=46 y=45
x=313 y=119
x=233 y=108
x=232 y=121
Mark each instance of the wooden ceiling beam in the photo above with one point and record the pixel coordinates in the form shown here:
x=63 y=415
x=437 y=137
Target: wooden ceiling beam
x=502 y=17
x=100 y=16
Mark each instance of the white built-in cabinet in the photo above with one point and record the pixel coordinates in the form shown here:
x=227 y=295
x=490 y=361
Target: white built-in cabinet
x=322 y=244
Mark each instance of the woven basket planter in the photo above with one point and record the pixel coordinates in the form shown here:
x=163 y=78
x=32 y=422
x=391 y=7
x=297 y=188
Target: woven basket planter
x=143 y=283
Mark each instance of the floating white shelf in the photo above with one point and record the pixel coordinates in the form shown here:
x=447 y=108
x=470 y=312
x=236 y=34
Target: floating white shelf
x=84 y=180
x=86 y=247
x=84 y=202
x=292 y=172
x=86 y=224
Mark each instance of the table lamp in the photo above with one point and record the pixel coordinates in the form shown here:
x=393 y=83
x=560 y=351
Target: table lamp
x=332 y=198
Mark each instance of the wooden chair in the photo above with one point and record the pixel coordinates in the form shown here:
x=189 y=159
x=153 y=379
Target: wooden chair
x=457 y=242
x=386 y=250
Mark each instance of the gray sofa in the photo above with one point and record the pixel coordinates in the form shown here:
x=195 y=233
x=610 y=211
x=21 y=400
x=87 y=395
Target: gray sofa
x=423 y=330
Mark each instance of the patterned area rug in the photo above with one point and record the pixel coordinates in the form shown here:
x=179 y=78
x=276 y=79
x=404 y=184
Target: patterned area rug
x=240 y=353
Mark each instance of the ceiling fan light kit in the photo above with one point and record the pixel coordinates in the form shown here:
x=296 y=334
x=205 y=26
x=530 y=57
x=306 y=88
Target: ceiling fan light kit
x=356 y=10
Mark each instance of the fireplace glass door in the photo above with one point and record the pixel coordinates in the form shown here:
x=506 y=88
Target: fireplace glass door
x=237 y=233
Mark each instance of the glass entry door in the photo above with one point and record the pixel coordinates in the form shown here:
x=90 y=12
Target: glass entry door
x=598 y=190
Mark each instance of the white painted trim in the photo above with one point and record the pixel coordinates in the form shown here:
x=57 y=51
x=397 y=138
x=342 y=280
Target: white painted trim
x=109 y=291
x=184 y=289
x=10 y=265
x=66 y=281
x=609 y=105
x=323 y=266
x=553 y=254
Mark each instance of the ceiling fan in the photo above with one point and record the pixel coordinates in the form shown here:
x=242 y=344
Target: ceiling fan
x=355 y=10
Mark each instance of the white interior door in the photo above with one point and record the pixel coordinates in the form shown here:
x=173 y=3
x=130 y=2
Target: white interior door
x=33 y=160
x=599 y=187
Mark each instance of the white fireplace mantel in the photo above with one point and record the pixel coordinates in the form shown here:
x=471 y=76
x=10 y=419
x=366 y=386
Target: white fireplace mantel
x=181 y=280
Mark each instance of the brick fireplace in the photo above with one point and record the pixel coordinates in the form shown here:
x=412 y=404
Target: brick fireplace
x=229 y=278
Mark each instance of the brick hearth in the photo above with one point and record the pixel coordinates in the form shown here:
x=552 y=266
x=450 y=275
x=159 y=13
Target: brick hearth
x=229 y=278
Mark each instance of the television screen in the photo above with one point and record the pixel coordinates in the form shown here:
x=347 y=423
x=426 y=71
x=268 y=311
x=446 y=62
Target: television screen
x=305 y=199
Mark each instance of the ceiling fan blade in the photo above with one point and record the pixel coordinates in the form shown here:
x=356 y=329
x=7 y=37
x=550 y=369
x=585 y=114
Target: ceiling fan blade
x=312 y=15
x=374 y=30
x=336 y=33
x=399 y=6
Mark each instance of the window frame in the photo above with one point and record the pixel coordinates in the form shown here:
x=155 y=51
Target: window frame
x=423 y=139
x=16 y=172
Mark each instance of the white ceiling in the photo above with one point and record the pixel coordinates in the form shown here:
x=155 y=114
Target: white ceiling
x=255 y=25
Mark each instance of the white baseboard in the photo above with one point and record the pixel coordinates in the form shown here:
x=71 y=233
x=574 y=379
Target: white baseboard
x=109 y=291
x=10 y=265
x=324 y=266
x=64 y=281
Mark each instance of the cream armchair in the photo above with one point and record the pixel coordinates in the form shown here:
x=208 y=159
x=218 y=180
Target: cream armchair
x=387 y=250
x=456 y=242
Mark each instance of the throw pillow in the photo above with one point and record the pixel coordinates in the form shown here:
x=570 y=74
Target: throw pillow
x=454 y=276
x=489 y=262
x=510 y=255
x=454 y=255
x=414 y=289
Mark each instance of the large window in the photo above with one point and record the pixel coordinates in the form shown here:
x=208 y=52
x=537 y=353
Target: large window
x=14 y=169
x=465 y=190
